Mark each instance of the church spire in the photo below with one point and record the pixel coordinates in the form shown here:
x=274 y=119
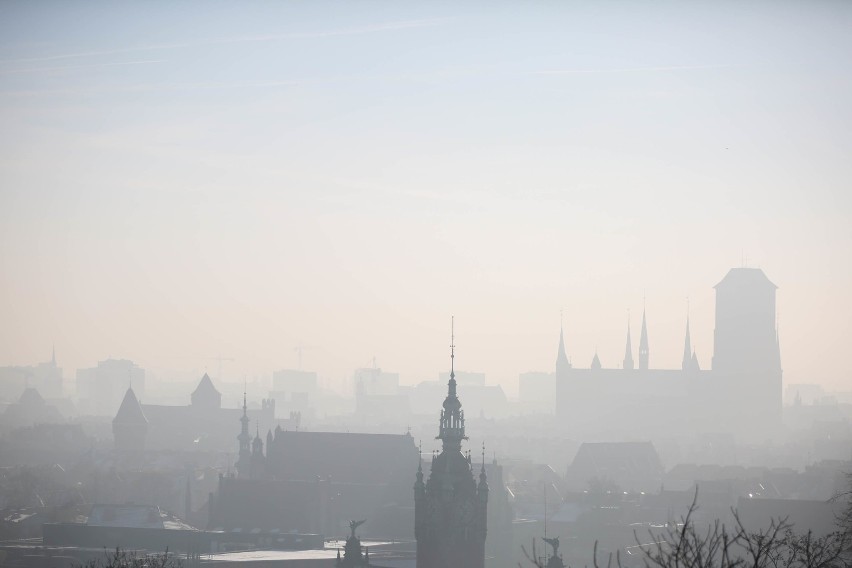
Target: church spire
x=53 y=355
x=628 y=350
x=244 y=439
x=451 y=428
x=687 y=347
x=562 y=362
x=643 y=342
x=482 y=489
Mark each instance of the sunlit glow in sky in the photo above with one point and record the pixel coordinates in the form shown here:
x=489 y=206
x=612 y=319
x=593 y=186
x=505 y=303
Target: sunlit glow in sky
x=185 y=180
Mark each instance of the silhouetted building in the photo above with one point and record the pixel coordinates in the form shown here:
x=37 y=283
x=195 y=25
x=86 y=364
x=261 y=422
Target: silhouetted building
x=30 y=409
x=314 y=481
x=629 y=466
x=45 y=377
x=204 y=425
x=205 y=394
x=130 y=427
x=741 y=394
x=450 y=509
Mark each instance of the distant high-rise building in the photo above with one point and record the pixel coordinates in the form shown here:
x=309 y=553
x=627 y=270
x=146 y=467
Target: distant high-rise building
x=450 y=509
x=101 y=389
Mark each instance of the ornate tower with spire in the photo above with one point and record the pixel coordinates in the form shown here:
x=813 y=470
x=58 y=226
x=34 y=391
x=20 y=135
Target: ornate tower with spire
x=628 y=350
x=643 y=344
x=244 y=461
x=450 y=508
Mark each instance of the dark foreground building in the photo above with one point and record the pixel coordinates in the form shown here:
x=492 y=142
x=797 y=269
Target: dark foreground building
x=450 y=509
x=316 y=482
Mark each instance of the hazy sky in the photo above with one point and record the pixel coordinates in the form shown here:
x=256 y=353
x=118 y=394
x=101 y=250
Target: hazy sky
x=183 y=180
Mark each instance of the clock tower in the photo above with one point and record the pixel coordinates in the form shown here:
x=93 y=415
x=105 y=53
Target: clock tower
x=450 y=508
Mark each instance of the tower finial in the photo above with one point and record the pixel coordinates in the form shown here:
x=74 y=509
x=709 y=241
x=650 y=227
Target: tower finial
x=452 y=346
x=483 y=456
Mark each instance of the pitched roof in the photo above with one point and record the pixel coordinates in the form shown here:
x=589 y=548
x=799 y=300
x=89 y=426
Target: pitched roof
x=130 y=410
x=31 y=397
x=205 y=387
x=745 y=277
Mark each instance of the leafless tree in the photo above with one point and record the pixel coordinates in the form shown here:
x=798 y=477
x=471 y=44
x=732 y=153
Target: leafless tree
x=686 y=545
x=121 y=558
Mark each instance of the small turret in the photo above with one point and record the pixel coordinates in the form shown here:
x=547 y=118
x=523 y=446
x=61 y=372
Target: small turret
x=482 y=488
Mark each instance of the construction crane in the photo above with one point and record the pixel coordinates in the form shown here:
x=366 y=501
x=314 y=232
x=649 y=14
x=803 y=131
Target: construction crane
x=220 y=359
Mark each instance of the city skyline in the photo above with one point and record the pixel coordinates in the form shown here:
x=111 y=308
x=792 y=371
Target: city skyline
x=180 y=185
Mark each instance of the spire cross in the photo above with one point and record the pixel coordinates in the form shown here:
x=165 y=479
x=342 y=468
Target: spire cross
x=452 y=346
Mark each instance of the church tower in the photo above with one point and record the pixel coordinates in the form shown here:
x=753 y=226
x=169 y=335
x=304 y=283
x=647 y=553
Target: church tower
x=450 y=508
x=130 y=427
x=746 y=354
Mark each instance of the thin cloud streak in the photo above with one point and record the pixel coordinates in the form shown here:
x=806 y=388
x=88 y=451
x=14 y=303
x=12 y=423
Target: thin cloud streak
x=149 y=87
x=654 y=69
x=389 y=26
x=73 y=67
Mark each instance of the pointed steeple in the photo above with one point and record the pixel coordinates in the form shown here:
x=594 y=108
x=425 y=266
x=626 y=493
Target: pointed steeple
x=244 y=439
x=419 y=486
x=53 y=355
x=596 y=362
x=451 y=428
x=693 y=362
x=562 y=362
x=687 y=348
x=643 y=343
x=130 y=410
x=130 y=427
x=482 y=488
x=628 y=350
